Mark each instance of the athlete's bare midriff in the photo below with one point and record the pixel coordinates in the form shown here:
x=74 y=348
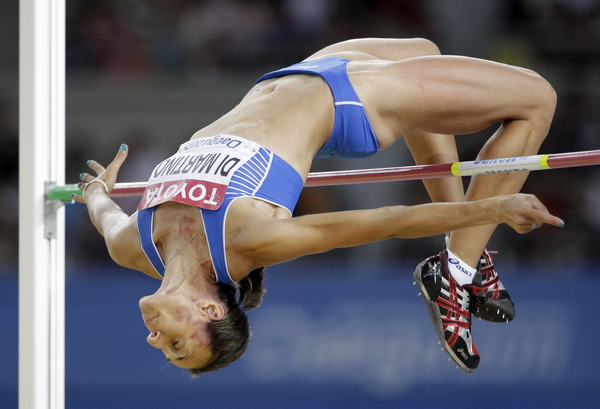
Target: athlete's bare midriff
x=264 y=116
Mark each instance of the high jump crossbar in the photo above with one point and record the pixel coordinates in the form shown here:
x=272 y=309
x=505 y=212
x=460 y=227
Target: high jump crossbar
x=349 y=177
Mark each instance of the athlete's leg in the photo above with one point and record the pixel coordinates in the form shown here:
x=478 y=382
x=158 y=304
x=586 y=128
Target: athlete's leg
x=457 y=95
x=429 y=148
x=453 y=95
x=426 y=148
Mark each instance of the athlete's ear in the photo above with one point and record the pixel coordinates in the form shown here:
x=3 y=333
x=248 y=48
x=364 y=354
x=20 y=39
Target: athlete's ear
x=213 y=310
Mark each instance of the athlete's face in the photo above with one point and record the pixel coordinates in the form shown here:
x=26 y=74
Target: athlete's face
x=177 y=327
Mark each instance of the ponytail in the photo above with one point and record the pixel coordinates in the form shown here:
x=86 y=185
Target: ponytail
x=251 y=289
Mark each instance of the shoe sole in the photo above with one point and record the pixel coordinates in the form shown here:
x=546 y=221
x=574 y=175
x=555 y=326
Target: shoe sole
x=437 y=320
x=494 y=310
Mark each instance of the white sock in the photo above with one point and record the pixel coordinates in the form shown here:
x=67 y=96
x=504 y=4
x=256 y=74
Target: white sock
x=459 y=270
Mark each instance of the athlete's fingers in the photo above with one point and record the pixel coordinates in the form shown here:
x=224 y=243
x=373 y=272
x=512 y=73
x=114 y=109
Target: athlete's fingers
x=85 y=177
x=119 y=157
x=547 y=218
x=532 y=219
x=525 y=213
x=95 y=166
x=77 y=198
x=538 y=214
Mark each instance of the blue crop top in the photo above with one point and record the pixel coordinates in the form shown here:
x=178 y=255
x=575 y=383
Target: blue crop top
x=263 y=175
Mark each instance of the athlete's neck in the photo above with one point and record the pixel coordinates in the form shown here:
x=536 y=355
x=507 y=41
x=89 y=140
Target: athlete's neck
x=187 y=273
x=180 y=240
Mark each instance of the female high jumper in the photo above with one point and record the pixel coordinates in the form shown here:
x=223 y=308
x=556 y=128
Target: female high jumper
x=220 y=209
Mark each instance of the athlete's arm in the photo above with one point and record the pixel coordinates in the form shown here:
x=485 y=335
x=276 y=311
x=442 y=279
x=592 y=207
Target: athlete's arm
x=274 y=241
x=118 y=228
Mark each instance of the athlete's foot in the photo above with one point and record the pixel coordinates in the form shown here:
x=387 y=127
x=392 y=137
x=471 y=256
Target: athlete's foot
x=448 y=305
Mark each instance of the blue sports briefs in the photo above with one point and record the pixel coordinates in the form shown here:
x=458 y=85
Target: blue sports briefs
x=352 y=135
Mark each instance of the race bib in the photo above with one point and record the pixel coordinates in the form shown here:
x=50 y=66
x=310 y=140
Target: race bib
x=199 y=173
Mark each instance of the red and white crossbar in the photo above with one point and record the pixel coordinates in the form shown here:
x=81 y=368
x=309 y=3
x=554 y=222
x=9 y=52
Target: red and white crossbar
x=471 y=168
x=350 y=177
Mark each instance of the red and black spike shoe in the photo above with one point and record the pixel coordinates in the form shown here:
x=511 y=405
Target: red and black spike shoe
x=448 y=304
x=489 y=299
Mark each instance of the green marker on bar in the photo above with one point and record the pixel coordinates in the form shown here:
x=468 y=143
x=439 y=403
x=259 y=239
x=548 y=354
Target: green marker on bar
x=62 y=193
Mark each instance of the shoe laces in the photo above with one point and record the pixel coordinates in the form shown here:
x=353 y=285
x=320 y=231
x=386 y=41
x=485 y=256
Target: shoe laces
x=455 y=315
x=486 y=266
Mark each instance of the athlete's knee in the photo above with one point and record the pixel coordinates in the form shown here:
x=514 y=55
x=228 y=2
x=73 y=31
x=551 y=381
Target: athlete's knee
x=410 y=47
x=416 y=46
x=542 y=99
x=542 y=113
x=545 y=90
x=550 y=96
x=546 y=100
x=426 y=46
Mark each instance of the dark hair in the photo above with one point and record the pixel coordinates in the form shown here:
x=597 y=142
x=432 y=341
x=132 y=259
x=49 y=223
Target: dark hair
x=230 y=336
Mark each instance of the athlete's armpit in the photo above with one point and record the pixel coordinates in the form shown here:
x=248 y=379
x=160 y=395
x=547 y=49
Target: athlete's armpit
x=124 y=247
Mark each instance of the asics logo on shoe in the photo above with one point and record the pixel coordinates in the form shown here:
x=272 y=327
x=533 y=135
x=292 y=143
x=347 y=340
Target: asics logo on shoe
x=459 y=267
x=462 y=352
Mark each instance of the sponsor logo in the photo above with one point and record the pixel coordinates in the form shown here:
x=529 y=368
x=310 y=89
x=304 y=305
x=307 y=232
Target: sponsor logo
x=491 y=161
x=215 y=141
x=460 y=268
x=493 y=172
x=203 y=194
x=462 y=353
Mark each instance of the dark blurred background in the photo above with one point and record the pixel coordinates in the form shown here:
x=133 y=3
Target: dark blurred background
x=149 y=73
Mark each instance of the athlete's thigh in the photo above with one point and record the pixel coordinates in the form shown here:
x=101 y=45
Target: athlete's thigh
x=393 y=49
x=447 y=94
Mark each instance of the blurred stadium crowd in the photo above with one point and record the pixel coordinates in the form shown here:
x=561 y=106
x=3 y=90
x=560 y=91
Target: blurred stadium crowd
x=110 y=40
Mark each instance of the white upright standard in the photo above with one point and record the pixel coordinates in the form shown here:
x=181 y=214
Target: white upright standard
x=41 y=227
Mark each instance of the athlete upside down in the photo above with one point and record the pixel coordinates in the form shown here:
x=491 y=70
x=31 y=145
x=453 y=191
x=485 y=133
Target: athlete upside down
x=220 y=209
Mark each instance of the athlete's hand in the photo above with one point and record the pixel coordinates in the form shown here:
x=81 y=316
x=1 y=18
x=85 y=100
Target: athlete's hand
x=524 y=212
x=107 y=175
